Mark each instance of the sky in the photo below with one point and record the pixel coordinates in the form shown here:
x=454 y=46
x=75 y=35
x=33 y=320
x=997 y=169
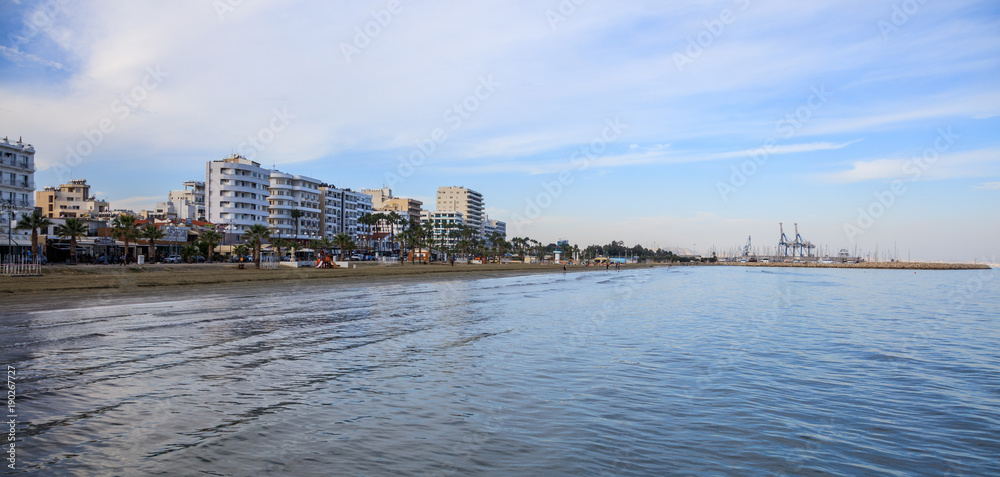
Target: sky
x=870 y=124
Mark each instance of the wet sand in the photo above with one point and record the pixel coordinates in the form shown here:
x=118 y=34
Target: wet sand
x=60 y=282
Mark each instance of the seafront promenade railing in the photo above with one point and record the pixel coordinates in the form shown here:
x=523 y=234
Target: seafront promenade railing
x=15 y=266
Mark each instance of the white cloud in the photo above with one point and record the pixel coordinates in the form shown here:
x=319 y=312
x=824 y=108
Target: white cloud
x=949 y=165
x=989 y=186
x=137 y=203
x=18 y=56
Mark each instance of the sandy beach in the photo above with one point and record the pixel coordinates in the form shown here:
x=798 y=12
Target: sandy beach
x=65 y=281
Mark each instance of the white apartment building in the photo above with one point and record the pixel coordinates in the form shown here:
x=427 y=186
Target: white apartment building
x=292 y=192
x=491 y=226
x=467 y=201
x=444 y=222
x=17 y=190
x=71 y=200
x=236 y=191
x=189 y=203
x=341 y=209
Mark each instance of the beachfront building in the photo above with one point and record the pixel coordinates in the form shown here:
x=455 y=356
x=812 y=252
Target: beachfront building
x=444 y=222
x=466 y=201
x=341 y=210
x=72 y=200
x=189 y=203
x=162 y=211
x=109 y=216
x=236 y=191
x=384 y=201
x=378 y=196
x=288 y=193
x=17 y=189
x=490 y=226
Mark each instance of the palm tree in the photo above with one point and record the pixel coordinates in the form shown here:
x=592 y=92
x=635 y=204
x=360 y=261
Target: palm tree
x=187 y=252
x=504 y=248
x=367 y=220
x=495 y=239
x=211 y=237
x=296 y=215
x=153 y=233
x=280 y=243
x=123 y=227
x=413 y=237
x=344 y=242
x=394 y=219
x=377 y=219
x=72 y=229
x=429 y=238
x=321 y=243
x=255 y=236
x=34 y=222
x=240 y=250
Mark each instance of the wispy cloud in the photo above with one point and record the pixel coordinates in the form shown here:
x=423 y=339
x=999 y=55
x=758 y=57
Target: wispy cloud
x=637 y=156
x=976 y=163
x=988 y=186
x=137 y=203
x=17 y=56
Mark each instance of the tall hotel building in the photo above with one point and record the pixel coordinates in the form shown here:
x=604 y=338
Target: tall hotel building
x=341 y=209
x=17 y=190
x=291 y=192
x=236 y=191
x=466 y=201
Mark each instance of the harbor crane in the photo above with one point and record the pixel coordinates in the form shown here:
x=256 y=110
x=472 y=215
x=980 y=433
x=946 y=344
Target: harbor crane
x=783 y=241
x=746 y=248
x=801 y=247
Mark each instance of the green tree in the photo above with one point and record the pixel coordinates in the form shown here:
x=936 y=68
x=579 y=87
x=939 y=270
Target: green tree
x=187 y=252
x=394 y=219
x=152 y=233
x=379 y=219
x=413 y=237
x=34 y=222
x=368 y=220
x=496 y=240
x=255 y=237
x=343 y=242
x=72 y=229
x=296 y=215
x=279 y=244
x=123 y=228
x=240 y=250
x=211 y=237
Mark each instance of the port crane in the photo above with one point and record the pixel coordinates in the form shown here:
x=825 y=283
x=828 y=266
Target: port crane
x=783 y=241
x=746 y=248
x=801 y=247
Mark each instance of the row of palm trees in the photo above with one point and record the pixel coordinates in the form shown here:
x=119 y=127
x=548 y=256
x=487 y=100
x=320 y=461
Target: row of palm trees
x=456 y=239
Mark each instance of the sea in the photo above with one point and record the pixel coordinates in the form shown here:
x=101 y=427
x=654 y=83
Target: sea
x=643 y=371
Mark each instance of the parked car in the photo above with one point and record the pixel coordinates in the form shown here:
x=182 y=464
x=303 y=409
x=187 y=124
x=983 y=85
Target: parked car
x=172 y=259
x=197 y=259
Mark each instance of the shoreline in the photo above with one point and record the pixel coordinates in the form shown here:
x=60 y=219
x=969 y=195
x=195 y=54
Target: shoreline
x=862 y=265
x=103 y=281
x=63 y=282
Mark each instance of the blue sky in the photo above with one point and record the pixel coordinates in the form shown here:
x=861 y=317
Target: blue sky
x=847 y=96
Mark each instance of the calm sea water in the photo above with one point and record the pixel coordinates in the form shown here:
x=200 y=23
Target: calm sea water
x=694 y=371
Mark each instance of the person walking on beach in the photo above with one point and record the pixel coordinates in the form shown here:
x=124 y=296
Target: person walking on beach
x=564 y=267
